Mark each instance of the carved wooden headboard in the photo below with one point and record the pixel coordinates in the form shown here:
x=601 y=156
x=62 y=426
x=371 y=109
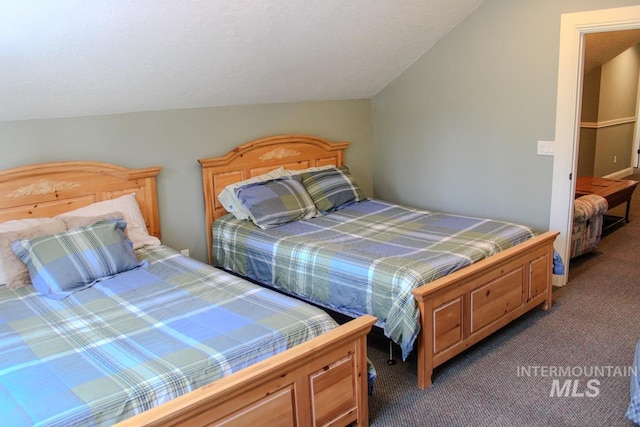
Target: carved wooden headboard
x=260 y=156
x=49 y=189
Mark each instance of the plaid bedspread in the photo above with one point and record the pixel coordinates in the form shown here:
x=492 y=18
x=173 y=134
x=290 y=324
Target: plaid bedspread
x=137 y=340
x=364 y=259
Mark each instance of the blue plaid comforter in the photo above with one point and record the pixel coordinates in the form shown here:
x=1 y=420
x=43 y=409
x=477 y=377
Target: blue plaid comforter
x=138 y=340
x=364 y=259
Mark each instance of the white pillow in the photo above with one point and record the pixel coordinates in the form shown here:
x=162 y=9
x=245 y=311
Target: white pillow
x=127 y=205
x=293 y=172
x=229 y=199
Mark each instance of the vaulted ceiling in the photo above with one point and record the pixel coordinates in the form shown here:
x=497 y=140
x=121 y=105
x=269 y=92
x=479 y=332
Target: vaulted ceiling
x=64 y=58
x=61 y=58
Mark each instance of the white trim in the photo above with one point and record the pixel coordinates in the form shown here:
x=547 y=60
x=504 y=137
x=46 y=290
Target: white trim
x=607 y=123
x=636 y=131
x=573 y=28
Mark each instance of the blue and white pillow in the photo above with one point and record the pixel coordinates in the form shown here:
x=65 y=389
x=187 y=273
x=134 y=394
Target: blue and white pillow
x=63 y=263
x=228 y=196
x=277 y=202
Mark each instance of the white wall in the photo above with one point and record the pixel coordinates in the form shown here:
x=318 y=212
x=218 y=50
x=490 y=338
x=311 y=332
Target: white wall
x=177 y=139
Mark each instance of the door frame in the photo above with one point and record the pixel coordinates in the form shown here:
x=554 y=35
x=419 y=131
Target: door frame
x=635 y=155
x=571 y=64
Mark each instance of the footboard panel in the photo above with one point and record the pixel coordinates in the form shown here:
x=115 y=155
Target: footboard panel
x=322 y=382
x=465 y=307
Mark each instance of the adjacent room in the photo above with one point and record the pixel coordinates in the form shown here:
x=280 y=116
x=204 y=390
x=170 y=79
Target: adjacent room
x=509 y=124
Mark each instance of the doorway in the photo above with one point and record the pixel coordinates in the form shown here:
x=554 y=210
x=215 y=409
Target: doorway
x=609 y=104
x=573 y=29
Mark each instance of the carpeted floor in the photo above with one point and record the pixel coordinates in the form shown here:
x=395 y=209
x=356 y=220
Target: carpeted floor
x=594 y=324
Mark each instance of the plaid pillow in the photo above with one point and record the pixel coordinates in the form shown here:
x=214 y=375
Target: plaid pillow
x=332 y=189
x=229 y=200
x=276 y=202
x=63 y=263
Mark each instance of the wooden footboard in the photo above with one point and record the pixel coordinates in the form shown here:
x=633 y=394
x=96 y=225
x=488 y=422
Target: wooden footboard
x=319 y=383
x=464 y=307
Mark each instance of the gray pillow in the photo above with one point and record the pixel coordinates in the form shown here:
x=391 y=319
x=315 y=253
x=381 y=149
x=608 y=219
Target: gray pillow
x=276 y=202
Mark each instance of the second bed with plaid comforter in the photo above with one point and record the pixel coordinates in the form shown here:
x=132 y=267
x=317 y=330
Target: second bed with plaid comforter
x=138 y=340
x=363 y=259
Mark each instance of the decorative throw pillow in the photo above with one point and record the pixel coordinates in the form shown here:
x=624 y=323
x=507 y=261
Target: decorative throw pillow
x=63 y=263
x=13 y=272
x=128 y=206
x=229 y=199
x=276 y=202
x=332 y=189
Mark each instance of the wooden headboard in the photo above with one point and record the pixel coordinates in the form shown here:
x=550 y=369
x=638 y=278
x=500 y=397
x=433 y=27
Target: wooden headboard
x=49 y=189
x=257 y=157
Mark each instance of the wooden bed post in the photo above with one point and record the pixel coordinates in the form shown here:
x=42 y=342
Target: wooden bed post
x=424 y=354
x=362 y=388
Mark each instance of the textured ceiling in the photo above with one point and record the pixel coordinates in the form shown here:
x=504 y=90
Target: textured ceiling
x=600 y=48
x=61 y=58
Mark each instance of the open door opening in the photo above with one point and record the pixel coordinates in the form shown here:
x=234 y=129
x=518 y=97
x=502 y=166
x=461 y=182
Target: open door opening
x=574 y=27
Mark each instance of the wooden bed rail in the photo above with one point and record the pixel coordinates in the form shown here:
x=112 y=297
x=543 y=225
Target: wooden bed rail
x=304 y=386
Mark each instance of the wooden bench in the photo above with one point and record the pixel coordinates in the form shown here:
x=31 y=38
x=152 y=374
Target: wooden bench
x=616 y=191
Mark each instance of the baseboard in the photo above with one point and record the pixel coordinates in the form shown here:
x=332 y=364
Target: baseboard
x=620 y=174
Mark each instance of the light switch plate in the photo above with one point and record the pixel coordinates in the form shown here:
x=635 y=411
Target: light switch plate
x=546 y=148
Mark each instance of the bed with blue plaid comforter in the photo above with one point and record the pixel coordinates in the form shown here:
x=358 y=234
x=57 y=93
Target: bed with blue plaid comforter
x=138 y=340
x=363 y=259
